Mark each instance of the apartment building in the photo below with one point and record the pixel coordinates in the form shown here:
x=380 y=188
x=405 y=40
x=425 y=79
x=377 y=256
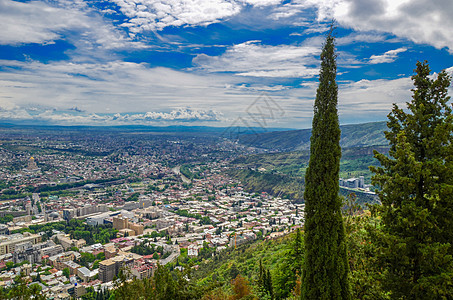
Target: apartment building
x=8 y=243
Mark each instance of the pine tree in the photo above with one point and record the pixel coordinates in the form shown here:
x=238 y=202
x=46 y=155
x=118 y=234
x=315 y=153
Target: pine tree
x=416 y=192
x=269 y=287
x=325 y=274
x=261 y=275
x=297 y=251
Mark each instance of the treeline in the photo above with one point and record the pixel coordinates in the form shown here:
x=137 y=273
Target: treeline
x=65 y=186
x=17 y=195
x=81 y=152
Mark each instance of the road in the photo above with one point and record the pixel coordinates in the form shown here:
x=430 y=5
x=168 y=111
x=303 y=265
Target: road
x=172 y=257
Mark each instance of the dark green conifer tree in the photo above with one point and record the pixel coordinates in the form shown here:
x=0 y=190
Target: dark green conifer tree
x=297 y=251
x=325 y=274
x=417 y=193
x=269 y=288
x=261 y=275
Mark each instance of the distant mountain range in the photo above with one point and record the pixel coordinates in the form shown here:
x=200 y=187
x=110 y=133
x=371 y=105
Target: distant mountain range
x=354 y=135
x=280 y=139
x=220 y=131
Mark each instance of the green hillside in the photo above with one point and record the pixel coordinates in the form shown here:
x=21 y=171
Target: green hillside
x=366 y=134
x=281 y=185
x=282 y=174
x=354 y=162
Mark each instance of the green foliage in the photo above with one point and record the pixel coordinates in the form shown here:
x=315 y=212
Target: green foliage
x=285 y=170
x=191 y=172
x=206 y=251
x=204 y=220
x=85 y=259
x=185 y=170
x=6 y=219
x=165 y=284
x=416 y=184
x=101 y=294
x=291 y=267
x=133 y=197
x=14 y=196
x=325 y=274
x=274 y=255
x=274 y=184
x=366 y=272
x=9 y=265
x=264 y=283
x=147 y=249
x=20 y=290
x=66 y=272
x=77 y=230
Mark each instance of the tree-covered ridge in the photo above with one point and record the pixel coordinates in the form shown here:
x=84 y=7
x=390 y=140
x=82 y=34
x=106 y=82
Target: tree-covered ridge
x=354 y=162
x=353 y=135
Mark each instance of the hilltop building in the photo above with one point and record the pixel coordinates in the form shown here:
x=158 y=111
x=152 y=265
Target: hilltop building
x=353 y=183
x=32 y=167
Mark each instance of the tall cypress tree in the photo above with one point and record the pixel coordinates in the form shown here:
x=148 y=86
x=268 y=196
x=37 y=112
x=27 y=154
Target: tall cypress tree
x=325 y=274
x=415 y=241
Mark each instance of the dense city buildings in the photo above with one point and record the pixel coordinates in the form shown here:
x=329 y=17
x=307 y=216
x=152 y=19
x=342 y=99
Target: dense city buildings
x=96 y=207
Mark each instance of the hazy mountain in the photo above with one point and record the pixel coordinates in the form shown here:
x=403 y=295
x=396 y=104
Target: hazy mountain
x=366 y=134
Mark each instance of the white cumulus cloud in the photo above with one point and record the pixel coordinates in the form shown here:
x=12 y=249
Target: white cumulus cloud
x=257 y=60
x=387 y=57
x=43 y=22
x=152 y=15
x=53 y=116
x=156 y=15
x=119 y=87
x=421 y=21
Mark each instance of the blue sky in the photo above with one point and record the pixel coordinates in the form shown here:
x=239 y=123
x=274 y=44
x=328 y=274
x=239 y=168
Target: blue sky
x=211 y=62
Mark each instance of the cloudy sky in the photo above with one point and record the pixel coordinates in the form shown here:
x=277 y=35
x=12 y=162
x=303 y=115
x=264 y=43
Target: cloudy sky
x=211 y=62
